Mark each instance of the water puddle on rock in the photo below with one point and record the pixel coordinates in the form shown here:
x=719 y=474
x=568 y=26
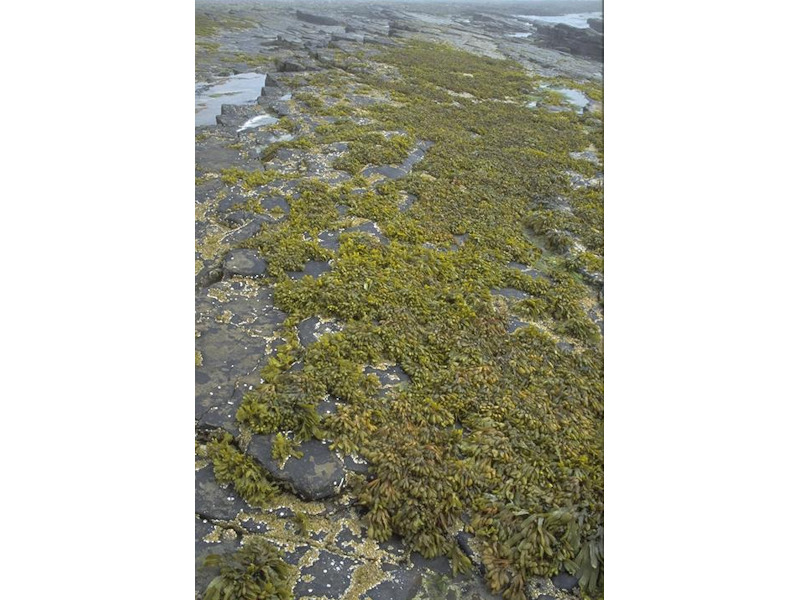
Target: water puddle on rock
x=579 y=20
x=574 y=97
x=238 y=89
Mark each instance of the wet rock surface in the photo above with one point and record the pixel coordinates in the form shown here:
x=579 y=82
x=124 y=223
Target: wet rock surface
x=317 y=475
x=244 y=262
x=212 y=501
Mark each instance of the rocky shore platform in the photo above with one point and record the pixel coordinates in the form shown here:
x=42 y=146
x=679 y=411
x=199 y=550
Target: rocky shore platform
x=399 y=304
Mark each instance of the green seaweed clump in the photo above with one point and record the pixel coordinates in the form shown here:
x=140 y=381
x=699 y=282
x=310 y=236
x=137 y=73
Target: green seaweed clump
x=495 y=430
x=254 y=572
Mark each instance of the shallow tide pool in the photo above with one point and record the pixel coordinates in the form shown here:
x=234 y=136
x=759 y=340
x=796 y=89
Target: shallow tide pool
x=238 y=89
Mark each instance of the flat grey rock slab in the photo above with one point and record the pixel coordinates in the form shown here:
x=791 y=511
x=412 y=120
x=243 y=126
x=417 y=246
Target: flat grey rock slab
x=223 y=414
x=230 y=355
x=317 y=19
x=385 y=171
x=318 y=474
x=404 y=583
x=370 y=228
x=275 y=202
x=329 y=577
x=407 y=202
x=212 y=501
x=510 y=293
x=390 y=377
x=244 y=262
x=329 y=239
x=565 y=581
x=313 y=268
x=245 y=232
x=514 y=324
x=312 y=329
x=527 y=270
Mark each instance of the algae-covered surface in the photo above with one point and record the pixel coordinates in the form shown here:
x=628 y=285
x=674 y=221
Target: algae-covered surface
x=399 y=348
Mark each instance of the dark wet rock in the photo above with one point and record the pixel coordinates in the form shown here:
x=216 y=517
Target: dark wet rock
x=329 y=240
x=597 y=319
x=345 y=37
x=230 y=356
x=208 y=191
x=221 y=415
x=407 y=202
x=565 y=347
x=369 y=228
x=216 y=155
x=345 y=540
x=581 y=42
x=275 y=202
x=393 y=546
x=229 y=201
x=311 y=329
x=327 y=406
x=329 y=574
x=211 y=501
x=596 y=24
x=249 y=229
x=390 y=377
x=439 y=564
x=244 y=262
x=565 y=581
x=238 y=218
x=294 y=557
x=515 y=324
x=364 y=101
x=208 y=276
x=579 y=181
x=465 y=542
x=402 y=25
x=385 y=171
x=585 y=155
x=318 y=474
x=545 y=597
x=416 y=155
x=524 y=269
x=293 y=66
x=232 y=115
x=356 y=467
x=317 y=19
x=337 y=147
x=289 y=155
x=313 y=268
x=282 y=108
x=403 y=584
x=510 y=293
x=272 y=82
x=379 y=41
